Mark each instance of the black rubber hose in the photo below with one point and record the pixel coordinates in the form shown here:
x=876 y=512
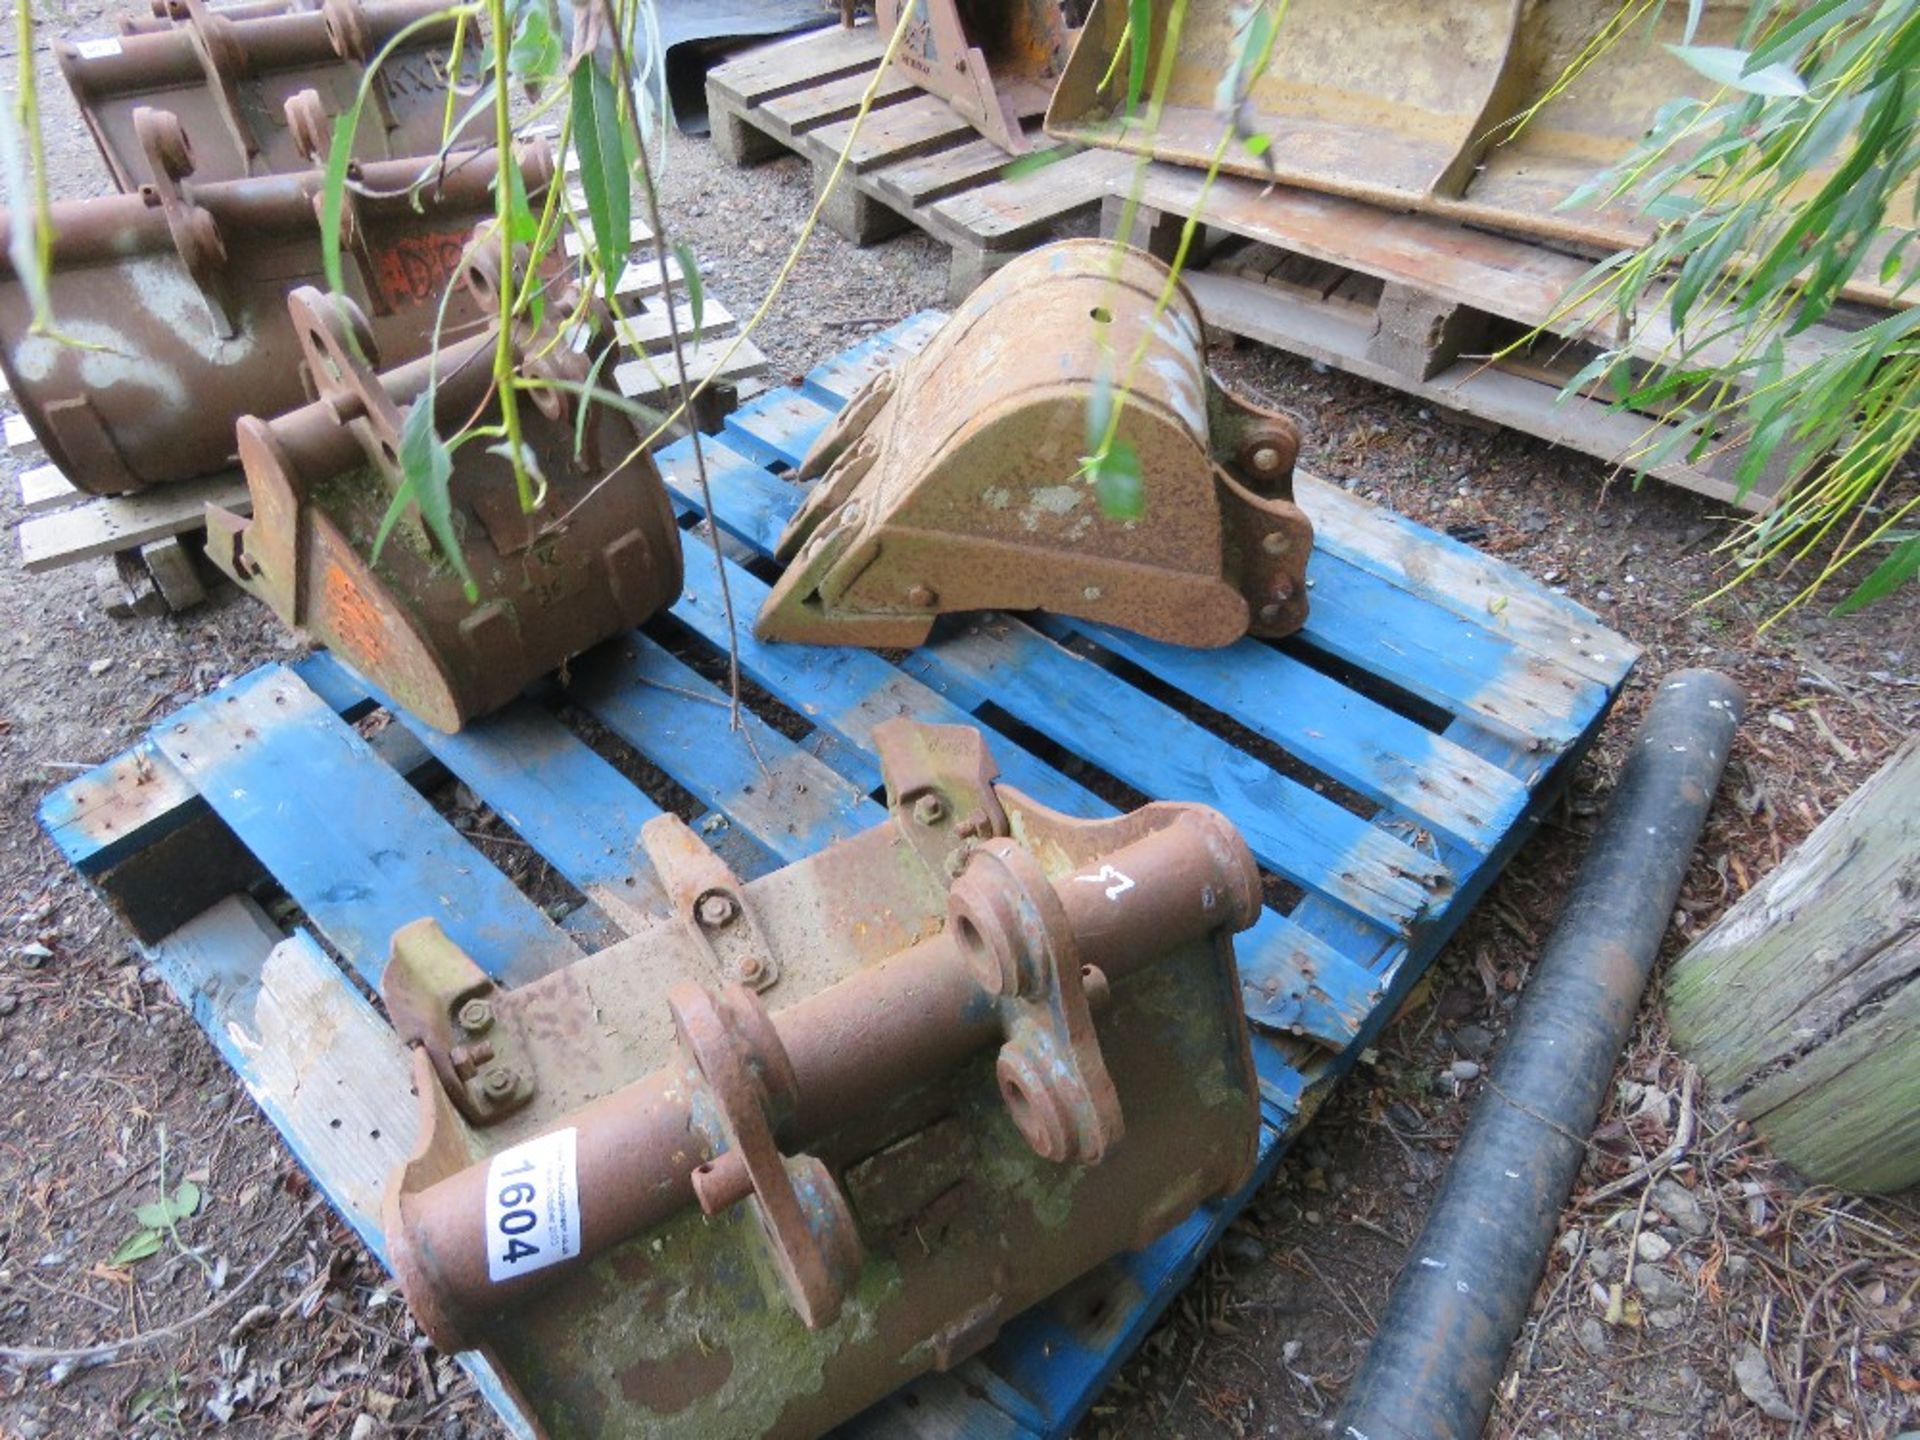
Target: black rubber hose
x=1460 y=1301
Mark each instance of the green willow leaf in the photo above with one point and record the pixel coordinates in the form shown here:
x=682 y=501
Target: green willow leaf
x=1035 y=161
x=426 y=466
x=1899 y=568
x=1139 y=27
x=535 y=55
x=141 y=1245
x=599 y=140
x=333 y=195
x=1726 y=66
x=696 y=292
x=1117 y=482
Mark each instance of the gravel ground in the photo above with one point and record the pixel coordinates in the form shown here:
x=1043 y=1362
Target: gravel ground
x=1725 y=1298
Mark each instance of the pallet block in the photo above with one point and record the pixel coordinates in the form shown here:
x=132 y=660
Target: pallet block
x=913 y=162
x=1383 y=764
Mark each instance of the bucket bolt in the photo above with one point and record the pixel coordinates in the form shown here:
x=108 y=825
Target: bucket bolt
x=929 y=809
x=497 y=1082
x=716 y=910
x=475 y=1017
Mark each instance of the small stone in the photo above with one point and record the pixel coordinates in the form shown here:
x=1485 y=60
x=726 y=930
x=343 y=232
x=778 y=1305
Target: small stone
x=1681 y=1207
x=1593 y=1336
x=1405 y=1116
x=33 y=956
x=1604 y=1263
x=1666 y=1319
x=1241 y=1250
x=1571 y=1242
x=101 y=666
x=1464 y=1070
x=1657 y=1288
x=1756 y=1382
x=9 y=1004
x=1473 y=1042
x=1652 y=1247
x=1603 y=597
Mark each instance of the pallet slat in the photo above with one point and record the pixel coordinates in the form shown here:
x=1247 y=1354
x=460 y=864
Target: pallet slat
x=789 y=800
x=107 y=524
x=368 y=855
x=1359 y=743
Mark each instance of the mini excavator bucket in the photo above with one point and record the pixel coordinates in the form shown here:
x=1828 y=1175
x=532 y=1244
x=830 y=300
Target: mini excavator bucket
x=257 y=91
x=599 y=555
x=177 y=294
x=1406 y=105
x=994 y=63
x=955 y=482
x=798 y=1140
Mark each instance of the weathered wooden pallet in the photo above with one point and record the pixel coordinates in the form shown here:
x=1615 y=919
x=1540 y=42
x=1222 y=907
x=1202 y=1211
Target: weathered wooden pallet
x=914 y=161
x=1424 y=304
x=63 y=525
x=1383 y=764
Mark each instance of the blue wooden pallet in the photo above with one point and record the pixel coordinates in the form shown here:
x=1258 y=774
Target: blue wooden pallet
x=1383 y=765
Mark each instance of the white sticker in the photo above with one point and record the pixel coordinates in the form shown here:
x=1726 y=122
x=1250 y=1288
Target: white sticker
x=97 y=49
x=533 y=1206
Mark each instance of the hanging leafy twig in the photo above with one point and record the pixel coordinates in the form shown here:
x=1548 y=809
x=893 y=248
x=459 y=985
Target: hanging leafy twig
x=1790 y=183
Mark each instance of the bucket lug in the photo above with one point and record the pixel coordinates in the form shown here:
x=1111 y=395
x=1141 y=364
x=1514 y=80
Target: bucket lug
x=711 y=902
x=196 y=234
x=439 y=999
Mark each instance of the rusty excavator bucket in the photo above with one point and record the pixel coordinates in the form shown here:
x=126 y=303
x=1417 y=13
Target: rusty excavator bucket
x=955 y=482
x=798 y=1140
x=177 y=297
x=598 y=555
x=994 y=63
x=1406 y=105
x=257 y=89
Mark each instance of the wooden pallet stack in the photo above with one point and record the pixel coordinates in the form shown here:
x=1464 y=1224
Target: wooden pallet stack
x=1429 y=306
x=914 y=162
x=149 y=541
x=1383 y=764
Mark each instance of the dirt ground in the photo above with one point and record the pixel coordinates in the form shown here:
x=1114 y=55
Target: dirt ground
x=1724 y=1298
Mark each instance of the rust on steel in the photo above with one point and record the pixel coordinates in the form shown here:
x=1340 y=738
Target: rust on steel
x=257 y=88
x=995 y=64
x=591 y=560
x=1005 y=1044
x=1407 y=105
x=177 y=297
x=165 y=14
x=955 y=482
